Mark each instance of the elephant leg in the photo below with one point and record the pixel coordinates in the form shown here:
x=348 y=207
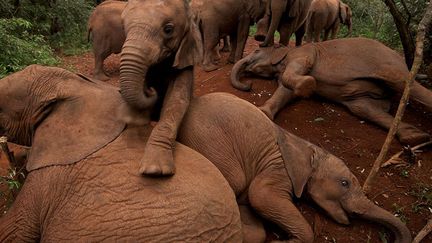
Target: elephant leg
x=279 y=99
x=100 y=57
x=277 y=8
x=253 y=229
x=317 y=35
x=295 y=77
x=210 y=40
x=233 y=42
x=376 y=111
x=242 y=35
x=271 y=199
x=326 y=34
x=263 y=25
x=226 y=44
x=335 y=30
x=158 y=158
x=285 y=35
x=300 y=34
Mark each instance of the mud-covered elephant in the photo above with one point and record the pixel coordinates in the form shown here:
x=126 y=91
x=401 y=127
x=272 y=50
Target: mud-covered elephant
x=286 y=16
x=267 y=167
x=83 y=183
x=327 y=15
x=217 y=19
x=105 y=29
x=359 y=73
x=156 y=71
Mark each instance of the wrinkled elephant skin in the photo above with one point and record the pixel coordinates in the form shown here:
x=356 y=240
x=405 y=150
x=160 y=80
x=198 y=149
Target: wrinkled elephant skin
x=267 y=166
x=105 y=29
x=359 y=73
x=156 y=72
x=83 y=183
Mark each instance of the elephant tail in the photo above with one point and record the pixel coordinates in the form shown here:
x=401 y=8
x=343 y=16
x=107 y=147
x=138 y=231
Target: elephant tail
x=422 y=95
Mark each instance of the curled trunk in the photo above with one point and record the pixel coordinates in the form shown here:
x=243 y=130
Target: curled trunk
x=236 y=72
x=364 y=208
x=133 y=86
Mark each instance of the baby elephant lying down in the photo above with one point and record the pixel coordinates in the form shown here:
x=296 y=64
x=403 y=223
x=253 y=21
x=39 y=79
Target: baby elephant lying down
x=267 y=166
x=359 y=73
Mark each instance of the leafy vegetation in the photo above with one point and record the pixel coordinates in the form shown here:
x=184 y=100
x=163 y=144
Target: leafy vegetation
x=30 y=31
x=12 y=181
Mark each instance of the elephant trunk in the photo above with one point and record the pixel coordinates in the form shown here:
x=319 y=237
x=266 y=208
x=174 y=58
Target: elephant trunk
x=133 y=84
x=366 y=209
x=236 y=72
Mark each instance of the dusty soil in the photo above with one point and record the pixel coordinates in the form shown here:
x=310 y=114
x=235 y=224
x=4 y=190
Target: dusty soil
x=401 y=190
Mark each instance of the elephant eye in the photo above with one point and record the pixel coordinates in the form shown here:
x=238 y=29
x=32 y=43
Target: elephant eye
x=168 y=29
x=344 y=183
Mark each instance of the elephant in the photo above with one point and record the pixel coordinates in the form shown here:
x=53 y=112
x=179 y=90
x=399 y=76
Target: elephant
x=106 y=32
x=359 y=73
x=267 y=167
x=286 y=16
x=83 y=183
x=216 y=19
x=326 y=15
x=156 y=72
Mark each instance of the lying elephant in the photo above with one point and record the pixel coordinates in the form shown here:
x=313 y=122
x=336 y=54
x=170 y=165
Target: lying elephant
x=356 y=72
x=267 y=166
x=83 y=183
x=105 y=30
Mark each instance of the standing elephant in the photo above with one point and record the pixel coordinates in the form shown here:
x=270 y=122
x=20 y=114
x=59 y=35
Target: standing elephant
x=358 y=73
x=217 y=19
x=326 y=15
x=267 y=167
x=83 y=184
x=286 y=16
x=156 y=71
x=106 y=32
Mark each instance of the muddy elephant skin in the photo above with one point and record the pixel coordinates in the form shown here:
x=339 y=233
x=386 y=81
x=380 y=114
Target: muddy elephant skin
x=105 y=30
x=156 y=71
x=359 y=73
x=83 y=183
x=327 y=15
x=267 y=167
x=217 y=19
x=286 y=16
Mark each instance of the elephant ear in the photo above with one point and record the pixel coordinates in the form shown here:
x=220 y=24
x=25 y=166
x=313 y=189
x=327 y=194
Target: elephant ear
x=343 y=12
x=75 y=122
x=278 y=54
x=190 y=51
x=298 y=160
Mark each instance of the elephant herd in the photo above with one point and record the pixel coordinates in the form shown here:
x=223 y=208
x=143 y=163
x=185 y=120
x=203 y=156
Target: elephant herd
x=211 y=168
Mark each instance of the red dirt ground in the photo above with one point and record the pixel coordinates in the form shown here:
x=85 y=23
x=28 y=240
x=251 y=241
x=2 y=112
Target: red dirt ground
x=356 y=141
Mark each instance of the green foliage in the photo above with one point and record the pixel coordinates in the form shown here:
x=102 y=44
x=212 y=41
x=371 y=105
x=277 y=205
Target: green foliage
x=423 y=193
x=21 y=48
x=12 y=182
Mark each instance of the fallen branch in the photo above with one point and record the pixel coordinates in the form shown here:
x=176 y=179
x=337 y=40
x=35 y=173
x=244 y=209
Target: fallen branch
x=424 y=232
x=421 y=32
x=9 y=155
x=395 y=159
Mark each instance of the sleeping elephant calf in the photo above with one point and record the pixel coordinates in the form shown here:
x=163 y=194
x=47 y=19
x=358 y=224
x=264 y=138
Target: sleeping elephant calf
x=83 y=183
x=357 y=72
x=267 y=166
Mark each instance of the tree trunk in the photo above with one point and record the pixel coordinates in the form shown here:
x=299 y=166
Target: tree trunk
x=404 y=32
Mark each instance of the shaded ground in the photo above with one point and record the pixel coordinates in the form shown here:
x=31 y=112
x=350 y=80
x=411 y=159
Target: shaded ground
x=403 y=191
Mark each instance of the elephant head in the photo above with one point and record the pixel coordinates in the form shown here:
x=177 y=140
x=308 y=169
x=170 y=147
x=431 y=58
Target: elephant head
x=156 y=31
x=43 y=104
x=345 y=15
x=329 y=183
x=265 y=62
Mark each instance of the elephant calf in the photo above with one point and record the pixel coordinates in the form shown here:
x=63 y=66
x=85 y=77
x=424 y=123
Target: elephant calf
x=359 y=73
x=83 y=183
x=267 y=166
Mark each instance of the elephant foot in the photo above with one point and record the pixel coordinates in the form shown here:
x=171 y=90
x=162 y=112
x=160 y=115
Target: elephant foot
x=157 y=162
x=259 y=37
x=210 y=67
x=412 y=136
x=101 y=76
x=225 y=49
x=267 y=111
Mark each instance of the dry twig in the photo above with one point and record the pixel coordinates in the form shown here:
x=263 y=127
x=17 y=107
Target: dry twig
x=424 y=232
x=421 y=32
x=9 y=155
x=396 y=159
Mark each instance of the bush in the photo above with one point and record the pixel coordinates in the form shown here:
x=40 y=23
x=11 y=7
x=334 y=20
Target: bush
x=21 y=48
